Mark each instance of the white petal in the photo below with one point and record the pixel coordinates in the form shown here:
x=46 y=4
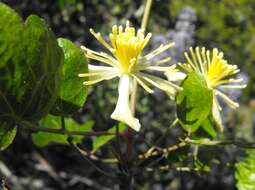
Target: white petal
x=175 y=76
x=99 y=73
x=143 y=84
x=226 y=99
x=99 y=68
x=160 y=83
x=158 y=50
x=122 y=110
x=216 y=114
x=157 y=68
x=233 y=86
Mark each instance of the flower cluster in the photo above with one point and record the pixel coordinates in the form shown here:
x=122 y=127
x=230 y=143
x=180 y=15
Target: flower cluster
x=125 y=60
x=217 y=73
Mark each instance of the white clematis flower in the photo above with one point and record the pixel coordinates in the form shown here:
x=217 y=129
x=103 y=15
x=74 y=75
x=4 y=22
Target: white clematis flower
x=122 y=111
x=218 y=75
x=127 y=63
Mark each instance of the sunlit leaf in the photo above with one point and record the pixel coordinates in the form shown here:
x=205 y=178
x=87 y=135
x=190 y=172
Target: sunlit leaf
x=194 y=102
x=245 y=172
x=54 y=122
x=72 y=91
x=208 y=126
x=102 y=140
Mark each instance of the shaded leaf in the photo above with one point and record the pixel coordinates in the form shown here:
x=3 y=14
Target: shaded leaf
x=7 y=134
x=30 y=63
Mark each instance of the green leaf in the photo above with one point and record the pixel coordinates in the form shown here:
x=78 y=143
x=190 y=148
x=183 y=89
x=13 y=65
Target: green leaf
x=30 y=67
x=194 y=102
x=72 y=92
x=245 y=172
x=206 y=130
x=208 y=126
x=54 y=122
x=7 y=134
x=102 y=140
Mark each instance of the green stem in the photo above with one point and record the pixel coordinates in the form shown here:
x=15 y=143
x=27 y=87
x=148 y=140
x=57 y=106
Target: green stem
x=32 y=127
x=146 y=14
x=143 y=26
x=130 y=132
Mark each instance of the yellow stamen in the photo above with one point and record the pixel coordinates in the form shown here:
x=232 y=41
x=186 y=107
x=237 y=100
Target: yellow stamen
x=215 y=68
x=127 y=45
x=219 y=69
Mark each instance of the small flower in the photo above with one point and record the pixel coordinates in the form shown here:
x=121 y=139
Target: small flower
x=126 y=62
x=217 y=73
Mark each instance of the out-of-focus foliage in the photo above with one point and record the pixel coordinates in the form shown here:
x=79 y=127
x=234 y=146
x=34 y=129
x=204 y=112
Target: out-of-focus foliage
x=245 y=172
x=228 y=25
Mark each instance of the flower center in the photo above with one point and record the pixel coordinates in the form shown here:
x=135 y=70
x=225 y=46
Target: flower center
x=219 y=69
x=127 y=45
x=211 y=65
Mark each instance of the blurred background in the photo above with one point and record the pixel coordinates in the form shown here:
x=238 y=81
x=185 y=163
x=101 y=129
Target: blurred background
x=227 y=25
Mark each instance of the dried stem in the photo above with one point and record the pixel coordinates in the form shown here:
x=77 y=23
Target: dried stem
x=154 y=151
x=87 y=158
